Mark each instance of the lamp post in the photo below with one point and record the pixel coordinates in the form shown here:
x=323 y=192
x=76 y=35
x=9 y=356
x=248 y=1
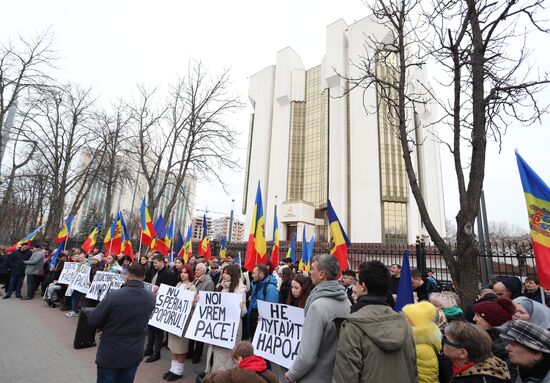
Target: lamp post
x=231 y=221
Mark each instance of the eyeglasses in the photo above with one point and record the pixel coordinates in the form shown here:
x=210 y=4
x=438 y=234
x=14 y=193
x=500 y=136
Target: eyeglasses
x=451 y=344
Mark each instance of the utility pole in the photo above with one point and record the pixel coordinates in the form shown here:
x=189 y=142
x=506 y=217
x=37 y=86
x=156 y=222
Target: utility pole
x=231 y=221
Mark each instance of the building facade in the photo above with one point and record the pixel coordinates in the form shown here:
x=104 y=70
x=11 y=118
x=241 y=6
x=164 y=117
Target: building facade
x=221 y=228
x=311 y=139
x=197 y=227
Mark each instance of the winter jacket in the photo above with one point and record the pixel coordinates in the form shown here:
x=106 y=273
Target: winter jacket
x=264 y=290
x=16 y=261
x=164 y=276
x=317 y=352
x=204 y=283
x=537 y=297
x=540 y=373
x=491 y=370
x=375 y=345
x=428 y=344
x=251 y=370
x=35 y=263
x=123 y=316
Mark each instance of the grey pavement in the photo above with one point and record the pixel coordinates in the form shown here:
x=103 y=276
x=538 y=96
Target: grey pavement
x=37 y=346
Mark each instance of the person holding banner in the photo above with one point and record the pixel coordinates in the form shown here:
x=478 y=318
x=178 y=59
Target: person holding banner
x=179 y=345
x=111 y=265
x=219 y=358
x=122 y=316
x=202 y=282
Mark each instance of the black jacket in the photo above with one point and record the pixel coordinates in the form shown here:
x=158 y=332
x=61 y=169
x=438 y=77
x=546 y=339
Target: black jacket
x=16 y=262
x=123 y=316
x=165 y=276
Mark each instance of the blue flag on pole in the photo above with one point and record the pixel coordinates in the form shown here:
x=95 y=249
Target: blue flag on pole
x=405 y=290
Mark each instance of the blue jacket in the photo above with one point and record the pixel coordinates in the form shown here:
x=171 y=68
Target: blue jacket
x=123 y=316
x=265 y=290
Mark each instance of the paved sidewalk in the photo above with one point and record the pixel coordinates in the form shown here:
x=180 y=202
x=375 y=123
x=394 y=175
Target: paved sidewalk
x=37 y=347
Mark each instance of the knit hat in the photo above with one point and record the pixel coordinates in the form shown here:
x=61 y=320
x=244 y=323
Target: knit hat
x=453 y=312
x=98 y=257
x=420 y=313
x=496 y=313
x=529 y=335
x=513 y=284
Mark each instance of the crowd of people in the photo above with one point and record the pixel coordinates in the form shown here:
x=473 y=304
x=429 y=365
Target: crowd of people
x=351 y=332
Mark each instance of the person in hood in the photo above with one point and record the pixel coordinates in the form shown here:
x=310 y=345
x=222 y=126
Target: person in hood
x=375 y=344
x=250 y=368
x=326 y=302
x=427 y=338
x=532 y=311
x=262 y=288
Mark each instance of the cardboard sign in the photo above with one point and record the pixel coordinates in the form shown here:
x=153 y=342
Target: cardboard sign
x=81 y=281
x=216 y=319
x=279 y=331
x=68 y=273
x=103 y=283
x=172 y=309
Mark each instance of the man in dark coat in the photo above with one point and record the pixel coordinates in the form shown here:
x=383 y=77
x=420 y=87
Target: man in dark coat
x=16 y=266
x=122 y=316
x=155 y=337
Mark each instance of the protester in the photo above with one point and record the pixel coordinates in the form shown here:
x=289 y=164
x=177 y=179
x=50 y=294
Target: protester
x=326 y=302
x=111 y=265
x=347 y=280
x=250 y=368
x=485 y=294
x=176 y=271
x=532 y=311
x=375 y=343
x=529 y=348
x=219 y=358
x=4 y=270
x=427 y=338
x=300 y=290
x=203 y=282
x=508 y=287
x=179 y=345
x=395 y=270
x=469 y=349
x=155 y=335
x=421 y=287
x=122 y=317
x=287 y=276
x=534 y=292
x=262 y=288
x=126 y=261
x=80 y=258
x=53 y=287
x=33 y=266
x=215 y=272
x=16 y=267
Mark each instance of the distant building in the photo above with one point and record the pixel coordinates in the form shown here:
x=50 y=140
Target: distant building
x=197 y=227
x=221 y=228
x=310 y=141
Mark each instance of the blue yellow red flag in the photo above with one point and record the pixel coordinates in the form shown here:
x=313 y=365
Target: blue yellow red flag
x=65 y=231
x=291 y=252
x=147 y=228
x=338 y=239
x=537 y=198
x=275 y=252
x=223 y=249
x=90 y=242
x=159 y=243
x=204 y=246
x=26 y=240
x=256 y=249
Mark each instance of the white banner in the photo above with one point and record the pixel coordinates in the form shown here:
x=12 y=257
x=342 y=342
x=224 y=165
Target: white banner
x=103 y=283
x=172 y=309
x=279 y=331
x=81 y=281
x=216 y=319
x=68 y=273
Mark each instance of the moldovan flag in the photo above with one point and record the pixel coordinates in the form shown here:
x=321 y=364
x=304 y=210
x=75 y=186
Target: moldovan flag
x=537 y=197
x=113 y=238
x=291 y=253
x=223 y=249
x=256 y=250
x=160 y=242
x=27 y=240
x=338 y=238
x=204 y=246
x=187 y=250
x=65 y=231
x=147 y=228
x=89 y=243
x=274 y=259
x=126 y=247
x=179 y=244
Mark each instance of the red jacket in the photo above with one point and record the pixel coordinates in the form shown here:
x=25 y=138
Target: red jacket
x=251 y=370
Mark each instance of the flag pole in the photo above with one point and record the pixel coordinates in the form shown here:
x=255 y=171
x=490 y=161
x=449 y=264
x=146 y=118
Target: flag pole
x=139 y=248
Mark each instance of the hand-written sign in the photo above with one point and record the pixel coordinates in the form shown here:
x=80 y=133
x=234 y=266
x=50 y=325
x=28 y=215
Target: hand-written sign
x=68 y=273
x=279 y=331
x=103 y=283
x=81 y=281
x=216 y=319
x=172 y=309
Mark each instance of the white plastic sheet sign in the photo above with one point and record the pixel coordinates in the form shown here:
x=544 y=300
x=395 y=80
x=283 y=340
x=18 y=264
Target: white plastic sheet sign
x=279 y=331
x=68 y=273
x=172 y=309
x=81 y=281
x=216 y=319
x=103 y=283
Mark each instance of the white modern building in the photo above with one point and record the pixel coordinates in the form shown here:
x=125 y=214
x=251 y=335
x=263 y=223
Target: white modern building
x=310 y=141
x=221 y=228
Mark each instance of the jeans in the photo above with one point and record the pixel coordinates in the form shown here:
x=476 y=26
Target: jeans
x=75 y=297
x=16 y=282
x=116 y=375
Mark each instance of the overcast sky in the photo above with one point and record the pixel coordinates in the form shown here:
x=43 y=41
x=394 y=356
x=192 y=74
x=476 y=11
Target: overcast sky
x=113 y=45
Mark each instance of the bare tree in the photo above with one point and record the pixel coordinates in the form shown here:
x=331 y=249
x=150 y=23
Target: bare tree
x=61 y=129
x=490 y=89
x=506 y=231
x=190 y=136
x=23 y=67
